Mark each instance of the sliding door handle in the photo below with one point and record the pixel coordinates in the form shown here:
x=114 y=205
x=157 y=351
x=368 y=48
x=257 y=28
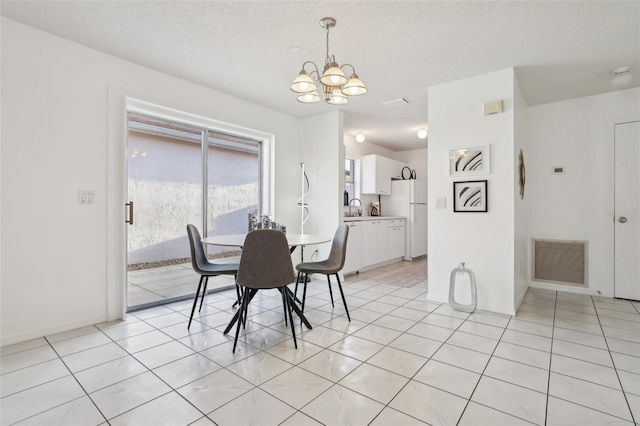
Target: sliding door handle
x=130 y=220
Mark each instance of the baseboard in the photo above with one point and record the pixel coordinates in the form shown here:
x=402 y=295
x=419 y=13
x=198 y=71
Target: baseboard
x=566 y=288
x=375 y=266
x=520 y=299
x=444 y=298
x=12 y=339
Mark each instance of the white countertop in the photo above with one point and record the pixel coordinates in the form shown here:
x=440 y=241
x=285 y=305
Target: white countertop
x=361 y=218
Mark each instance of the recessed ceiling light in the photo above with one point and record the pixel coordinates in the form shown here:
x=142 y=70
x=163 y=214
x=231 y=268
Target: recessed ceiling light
x=360 y=137
x=422 y=133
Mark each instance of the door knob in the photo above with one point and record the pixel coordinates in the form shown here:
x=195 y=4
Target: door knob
x=622 y=219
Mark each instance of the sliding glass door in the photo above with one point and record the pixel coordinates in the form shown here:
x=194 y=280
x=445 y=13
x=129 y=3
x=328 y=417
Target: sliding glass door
x=233 y=186
x=167 y=170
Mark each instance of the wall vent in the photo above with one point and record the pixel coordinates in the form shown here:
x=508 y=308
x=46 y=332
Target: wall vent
x=557 y=261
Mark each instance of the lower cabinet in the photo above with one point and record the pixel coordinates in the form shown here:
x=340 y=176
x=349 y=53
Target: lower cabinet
x=353 y=258
x=396 y=236
x=372 y=242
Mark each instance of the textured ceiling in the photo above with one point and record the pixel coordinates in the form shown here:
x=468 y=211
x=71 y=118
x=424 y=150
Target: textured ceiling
x=560 y=50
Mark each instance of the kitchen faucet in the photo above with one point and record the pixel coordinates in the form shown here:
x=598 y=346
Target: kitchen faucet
x=352 y=200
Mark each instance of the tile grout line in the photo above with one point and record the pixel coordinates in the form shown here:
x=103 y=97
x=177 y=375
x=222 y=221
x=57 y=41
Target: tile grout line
x=553 y=331
x=77 y=381
x=171 y=388
x=615 y=368
x=414 y=374
x=483 y=375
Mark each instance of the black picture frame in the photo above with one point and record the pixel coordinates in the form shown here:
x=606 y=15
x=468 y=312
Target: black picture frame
x=470 y=196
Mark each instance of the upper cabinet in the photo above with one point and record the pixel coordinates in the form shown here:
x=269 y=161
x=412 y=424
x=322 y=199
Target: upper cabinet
x=377 y=172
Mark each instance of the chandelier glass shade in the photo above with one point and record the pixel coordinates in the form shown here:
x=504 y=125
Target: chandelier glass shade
x=333 y=82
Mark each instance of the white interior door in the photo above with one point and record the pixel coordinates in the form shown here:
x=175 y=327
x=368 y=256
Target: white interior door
x=627 y=211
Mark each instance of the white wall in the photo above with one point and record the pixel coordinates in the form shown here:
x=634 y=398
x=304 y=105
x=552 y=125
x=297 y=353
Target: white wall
x=321 y=150
x=485 y=241
x=577 y=134
x=356 y=150
x=63 y=129
x=416 y=159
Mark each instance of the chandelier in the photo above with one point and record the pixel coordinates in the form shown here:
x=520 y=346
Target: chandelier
x=333 y=82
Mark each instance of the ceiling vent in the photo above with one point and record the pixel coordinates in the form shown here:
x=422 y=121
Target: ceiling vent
x=394 y=103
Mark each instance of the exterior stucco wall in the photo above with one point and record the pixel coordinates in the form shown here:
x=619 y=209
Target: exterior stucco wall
x=165 y=185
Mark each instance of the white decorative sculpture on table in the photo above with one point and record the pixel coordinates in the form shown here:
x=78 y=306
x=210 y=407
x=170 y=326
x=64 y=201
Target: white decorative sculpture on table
x=452 y=289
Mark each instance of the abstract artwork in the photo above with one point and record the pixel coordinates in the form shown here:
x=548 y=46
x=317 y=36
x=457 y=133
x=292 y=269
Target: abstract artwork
x=468 y=161
x=470 y=196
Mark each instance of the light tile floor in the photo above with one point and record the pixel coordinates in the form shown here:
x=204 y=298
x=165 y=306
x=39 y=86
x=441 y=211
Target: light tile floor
x=564 y=359
x=166 y=282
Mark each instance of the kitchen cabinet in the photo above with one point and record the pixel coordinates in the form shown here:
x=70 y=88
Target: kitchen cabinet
x=396 y=238
x=377 y=172
x=353 y=258
x=374 y=240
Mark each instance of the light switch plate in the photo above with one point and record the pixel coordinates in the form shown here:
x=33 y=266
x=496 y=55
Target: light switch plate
x=85 y=197
x=441 y=203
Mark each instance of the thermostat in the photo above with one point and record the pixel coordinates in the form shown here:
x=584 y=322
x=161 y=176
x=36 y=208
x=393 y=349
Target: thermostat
x=494 y=107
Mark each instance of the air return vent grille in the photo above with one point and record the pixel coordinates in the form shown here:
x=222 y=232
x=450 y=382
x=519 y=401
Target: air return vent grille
x=558 y=261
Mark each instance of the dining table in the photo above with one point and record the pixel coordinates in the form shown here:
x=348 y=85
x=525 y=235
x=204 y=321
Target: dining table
x=293 y=240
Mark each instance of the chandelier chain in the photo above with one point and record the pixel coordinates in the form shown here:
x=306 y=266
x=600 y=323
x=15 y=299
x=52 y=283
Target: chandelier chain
x=327 y=59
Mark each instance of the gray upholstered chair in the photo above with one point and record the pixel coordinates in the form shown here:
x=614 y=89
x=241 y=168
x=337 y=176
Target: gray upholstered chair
x=206 y=269
x=331 y=266
x=265 y=263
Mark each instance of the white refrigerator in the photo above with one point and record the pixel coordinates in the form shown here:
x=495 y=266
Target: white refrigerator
x=409 y=199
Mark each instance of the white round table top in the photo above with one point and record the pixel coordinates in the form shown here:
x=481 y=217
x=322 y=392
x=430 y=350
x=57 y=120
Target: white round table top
x=293 y=240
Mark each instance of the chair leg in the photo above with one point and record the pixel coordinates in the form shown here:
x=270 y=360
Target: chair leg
x=251 y=293
x=195 y=301
x=284 y=306
x=295 y=290
x=304 y=290
x=286 y=298
x=206 y=281
x=243 y=313
x=343 y=299
x=237 y=302
x=330 y=292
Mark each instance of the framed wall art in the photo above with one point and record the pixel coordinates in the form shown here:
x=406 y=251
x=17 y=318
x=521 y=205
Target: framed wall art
x=470 y=196
x=470 y=161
